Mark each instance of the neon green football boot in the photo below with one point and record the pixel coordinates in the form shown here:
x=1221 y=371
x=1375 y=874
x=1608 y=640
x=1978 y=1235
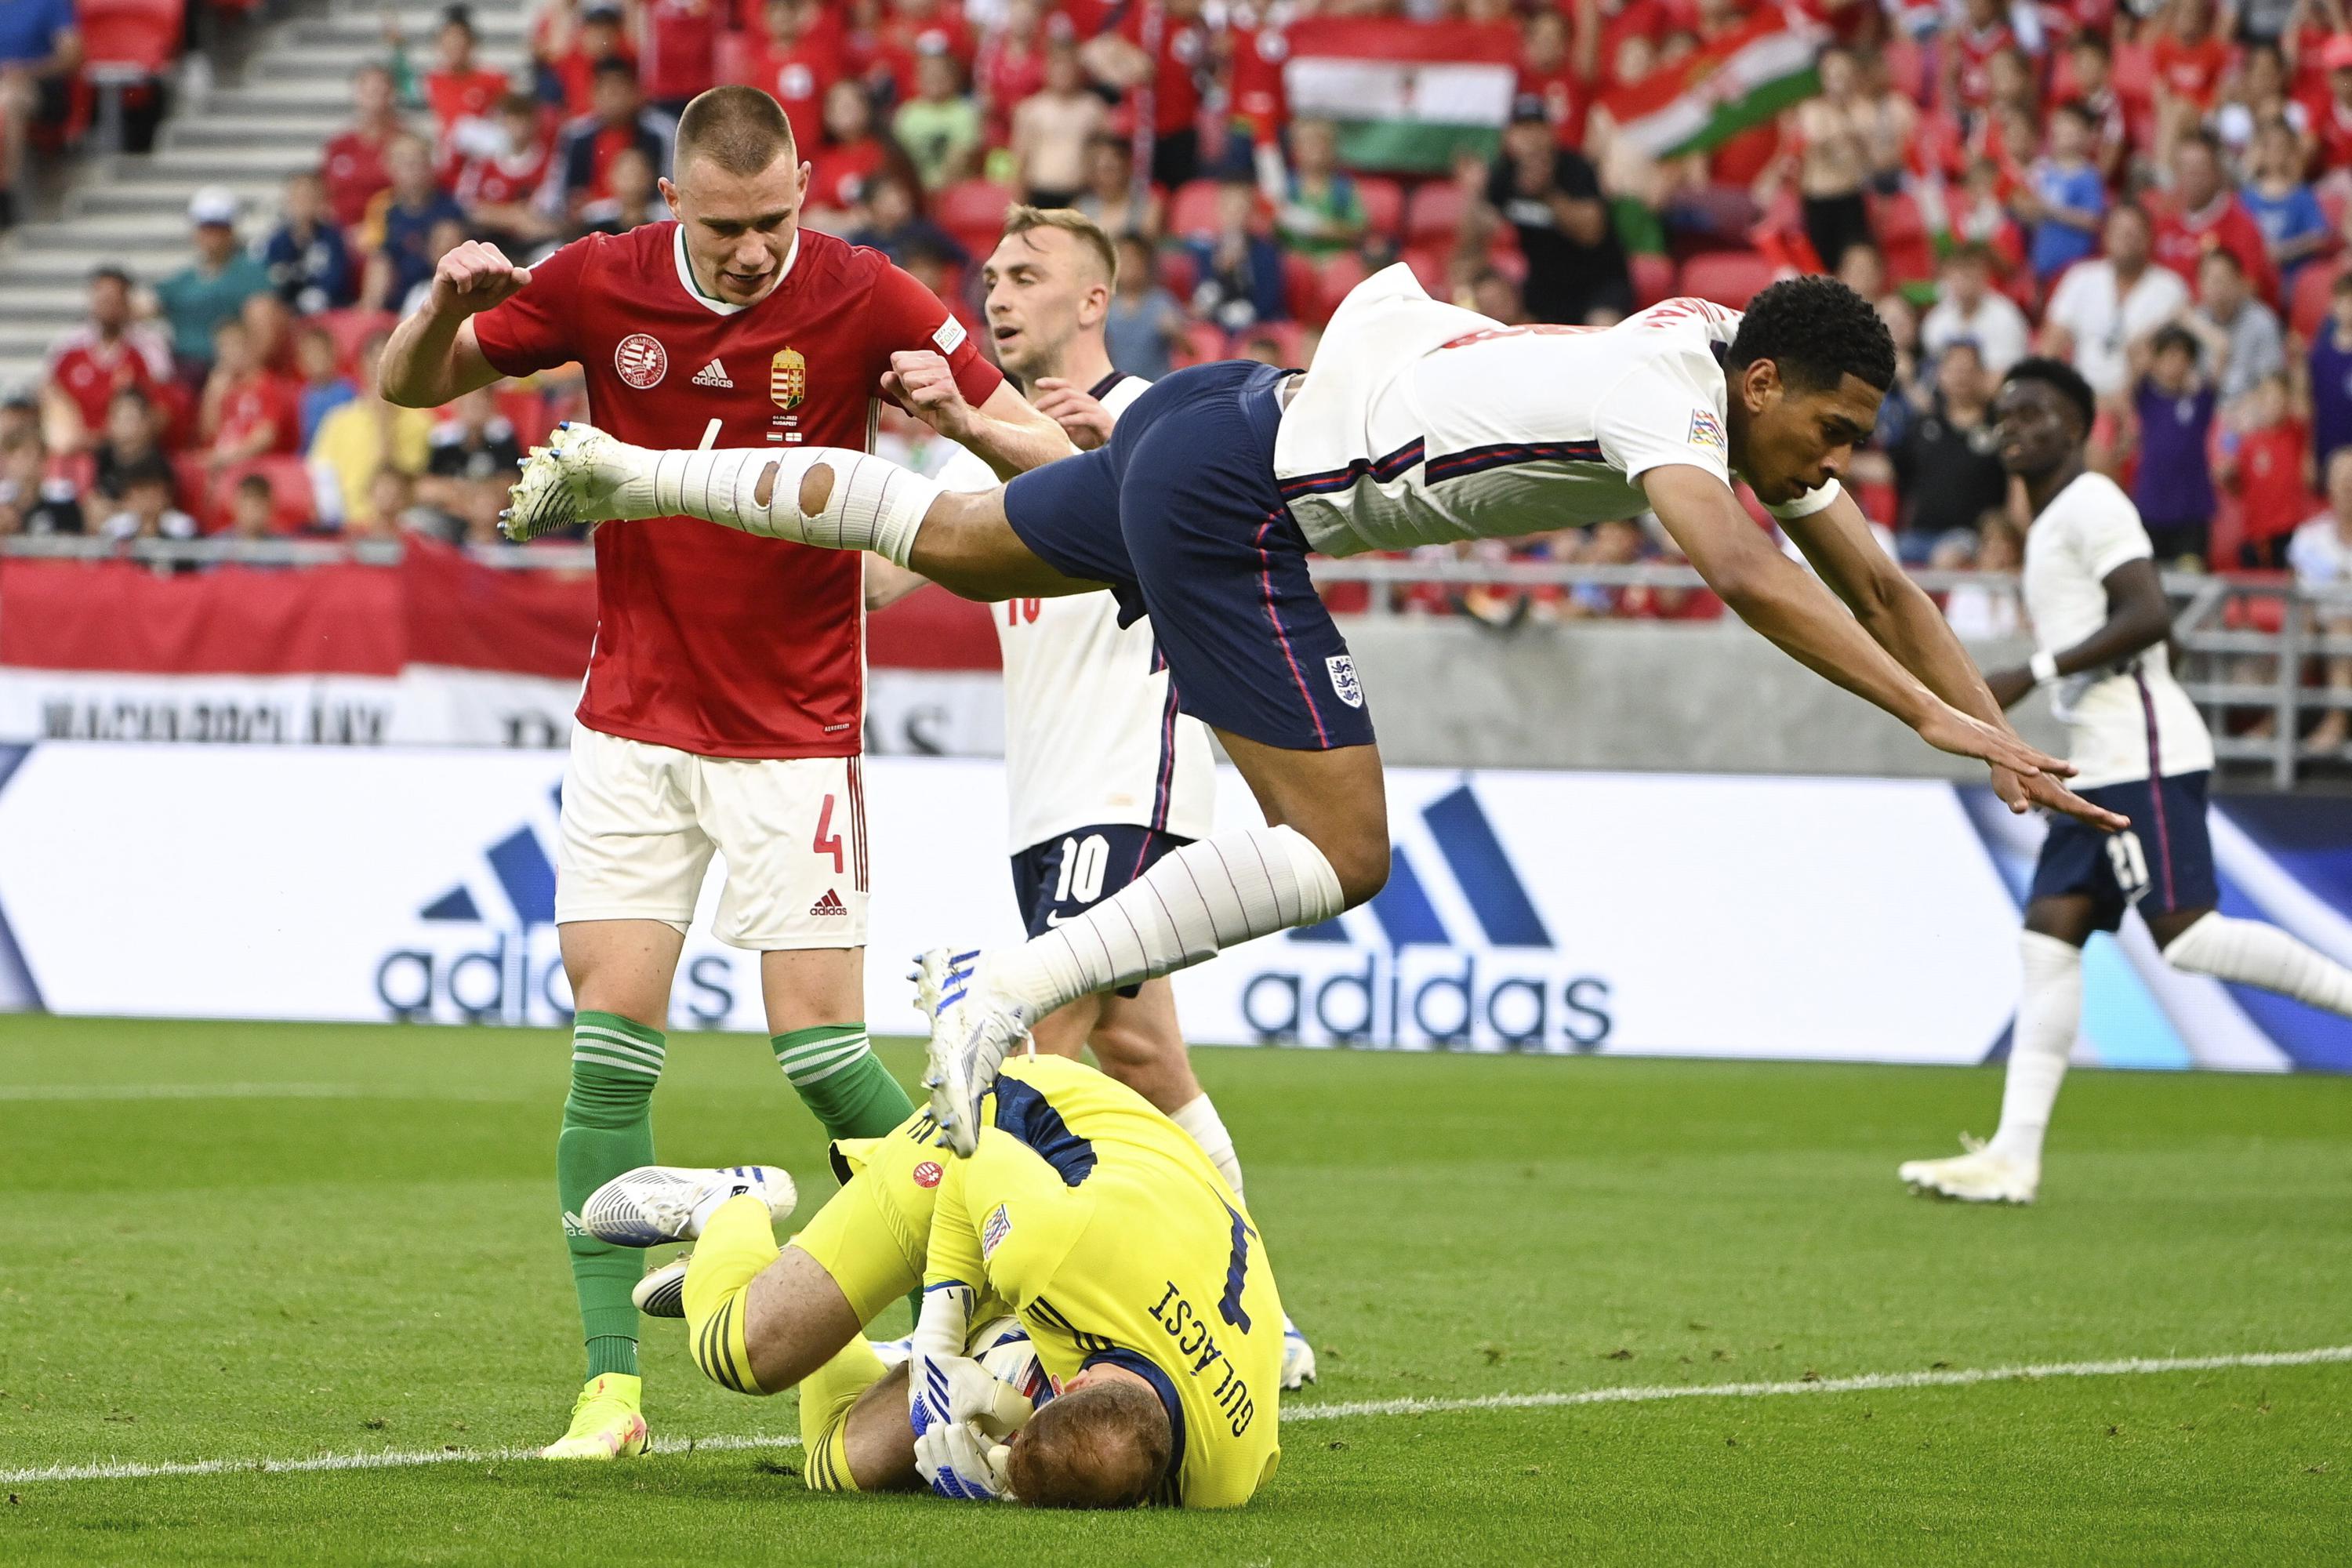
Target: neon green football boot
x=606 y=1421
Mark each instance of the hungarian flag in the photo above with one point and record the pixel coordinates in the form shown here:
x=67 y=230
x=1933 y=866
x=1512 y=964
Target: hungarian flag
x=1405 y=95
x=1742 y=79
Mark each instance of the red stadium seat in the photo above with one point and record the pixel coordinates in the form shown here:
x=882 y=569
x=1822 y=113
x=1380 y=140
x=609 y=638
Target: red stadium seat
x=350 y=329
x=1433 y=214
x=1653 y=279
x=1203 y=341
x=1727 y=277
x=1193 y=208
x=129 y=40
x=1428 y=263
x=1178 y=273
x=973 y=212
x=1341 y=273
x=525 y=408
x=1302 y=289
x=2314 y=287
x=1383 y=205
x=188 y=470
x=1903 y=238
x=292 y=502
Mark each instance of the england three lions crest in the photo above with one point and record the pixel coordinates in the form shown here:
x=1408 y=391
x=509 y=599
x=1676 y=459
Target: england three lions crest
x=788 y=379
x=1342 y=667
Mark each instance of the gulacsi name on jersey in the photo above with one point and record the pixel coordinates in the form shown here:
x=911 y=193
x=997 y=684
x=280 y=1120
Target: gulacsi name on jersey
x=1190 y=1329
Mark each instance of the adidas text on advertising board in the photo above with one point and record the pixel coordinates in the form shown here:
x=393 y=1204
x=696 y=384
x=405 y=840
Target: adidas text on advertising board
x=1402 y=972
x=486 y=952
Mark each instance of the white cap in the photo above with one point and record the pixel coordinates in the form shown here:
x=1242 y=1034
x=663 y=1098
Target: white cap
x=213 y=203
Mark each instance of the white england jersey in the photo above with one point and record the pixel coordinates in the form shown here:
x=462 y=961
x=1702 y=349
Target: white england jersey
x=1091 y=731
x=2127 y=721
x=1422 y=423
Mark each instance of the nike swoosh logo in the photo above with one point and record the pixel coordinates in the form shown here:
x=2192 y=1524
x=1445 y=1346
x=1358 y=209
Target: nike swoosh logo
x=1052 y=919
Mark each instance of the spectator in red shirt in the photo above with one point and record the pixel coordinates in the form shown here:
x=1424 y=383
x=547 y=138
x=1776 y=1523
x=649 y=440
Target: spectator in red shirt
x=2269 y=470
x=2191 y=55
x=852 y=153
x=1012 y=64
x=2330 y=112
x=1964 y=54
x=352 y=165
x=458 y=88
x=677 y=52
x=912 y=29
x=599 y=38
x=247 y=412
x=105 y=355
x=1153 y=53
x=797 y=68
x=497 y=187
x=1546 y=73
x=2203 y=213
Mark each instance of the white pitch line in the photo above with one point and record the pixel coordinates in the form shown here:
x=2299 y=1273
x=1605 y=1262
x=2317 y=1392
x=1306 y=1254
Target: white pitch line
x=2135 y=1367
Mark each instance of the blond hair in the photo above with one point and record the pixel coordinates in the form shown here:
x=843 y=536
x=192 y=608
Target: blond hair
x=1020 y=218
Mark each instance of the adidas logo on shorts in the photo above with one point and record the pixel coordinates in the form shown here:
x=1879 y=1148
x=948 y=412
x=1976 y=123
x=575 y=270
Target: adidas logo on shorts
x=830 y=904
x=714 y=375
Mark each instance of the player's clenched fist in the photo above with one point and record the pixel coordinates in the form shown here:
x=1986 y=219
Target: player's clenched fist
x=473 y=277
x=1085 y=421
x=925 y=387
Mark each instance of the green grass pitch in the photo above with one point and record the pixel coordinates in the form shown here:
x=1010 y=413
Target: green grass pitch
x=237 y=1243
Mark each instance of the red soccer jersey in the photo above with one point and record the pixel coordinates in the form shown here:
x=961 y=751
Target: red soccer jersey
x=2331 y=125
x=1261 y=45
x=799 y=78
x=463 y=95
x=837 y=175
x=2190 y=70
x=503 y=181
x=1565 y=99
x=352 y=168
x=2183 y=238
x=716 y=642
x=1178 y=48
x=259 y=402
x=1974 y=52
x=2270 y=480
x=90 y=372
x=678 y=56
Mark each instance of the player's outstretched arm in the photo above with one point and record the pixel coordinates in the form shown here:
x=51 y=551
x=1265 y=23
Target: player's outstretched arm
x=432 y=356
x=1901 y=619
x=1784 y=603
x=1005 y=432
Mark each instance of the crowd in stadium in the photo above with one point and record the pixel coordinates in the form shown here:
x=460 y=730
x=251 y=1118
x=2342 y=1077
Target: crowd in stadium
x=2159 y=196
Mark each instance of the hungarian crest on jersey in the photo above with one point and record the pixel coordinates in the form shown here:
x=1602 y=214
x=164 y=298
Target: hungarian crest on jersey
x=788 y=379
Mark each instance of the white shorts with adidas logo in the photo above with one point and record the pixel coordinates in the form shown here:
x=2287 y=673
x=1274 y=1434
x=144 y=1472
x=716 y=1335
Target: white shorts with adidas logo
x=641 y=822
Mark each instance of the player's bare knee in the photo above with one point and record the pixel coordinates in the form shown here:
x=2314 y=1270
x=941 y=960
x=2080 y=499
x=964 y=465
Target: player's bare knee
x=1360 y=859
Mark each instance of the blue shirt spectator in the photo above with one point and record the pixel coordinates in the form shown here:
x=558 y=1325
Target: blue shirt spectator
x=2174 y=485
x=2057 y=245
x=34 y=32
x=309 y=263
x=2331 y=378
x=2285 y=220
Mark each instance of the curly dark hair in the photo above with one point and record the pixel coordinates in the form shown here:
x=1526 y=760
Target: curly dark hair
x=2062 y=378
x=1818 y=331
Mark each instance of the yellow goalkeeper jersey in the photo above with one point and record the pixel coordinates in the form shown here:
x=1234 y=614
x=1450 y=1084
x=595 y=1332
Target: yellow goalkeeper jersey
x=1109 y=1231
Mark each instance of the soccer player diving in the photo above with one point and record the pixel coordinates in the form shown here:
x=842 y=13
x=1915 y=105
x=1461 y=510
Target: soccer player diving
x=1420 y=422
x=1139 y=1278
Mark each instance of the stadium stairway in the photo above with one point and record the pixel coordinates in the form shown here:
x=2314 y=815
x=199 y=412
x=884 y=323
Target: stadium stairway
x=246 y=131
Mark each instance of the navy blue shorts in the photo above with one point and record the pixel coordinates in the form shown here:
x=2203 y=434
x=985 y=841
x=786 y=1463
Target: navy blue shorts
x=1179 y=513
x=2163 y=862
x=1066 y=876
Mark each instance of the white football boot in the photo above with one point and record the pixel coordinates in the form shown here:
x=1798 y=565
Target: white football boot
x=583 y=476
x=972 y=1027
x=1979 y=1176
x=1298 y=1356
x=662 y=1293
x=655 y=1204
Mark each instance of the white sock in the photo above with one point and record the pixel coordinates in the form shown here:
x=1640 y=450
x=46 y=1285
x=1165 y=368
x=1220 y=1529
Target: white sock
x=2253 y=953
x=1203 y=898
x=2049 y=1010
x=1200 y=1121
x=874 y=505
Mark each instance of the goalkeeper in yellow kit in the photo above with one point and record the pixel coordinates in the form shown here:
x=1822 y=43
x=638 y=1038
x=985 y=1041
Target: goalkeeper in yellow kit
x=1140 y=1279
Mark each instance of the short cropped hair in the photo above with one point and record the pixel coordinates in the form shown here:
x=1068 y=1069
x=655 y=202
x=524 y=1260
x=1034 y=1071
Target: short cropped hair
x=1023 y=218
x=740 y=128
x=2062 y=378
x=1106 y=1444
x=1818 y=331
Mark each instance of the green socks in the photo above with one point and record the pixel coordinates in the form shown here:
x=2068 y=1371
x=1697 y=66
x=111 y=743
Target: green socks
x=607 y=1130
x=838 y=1077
